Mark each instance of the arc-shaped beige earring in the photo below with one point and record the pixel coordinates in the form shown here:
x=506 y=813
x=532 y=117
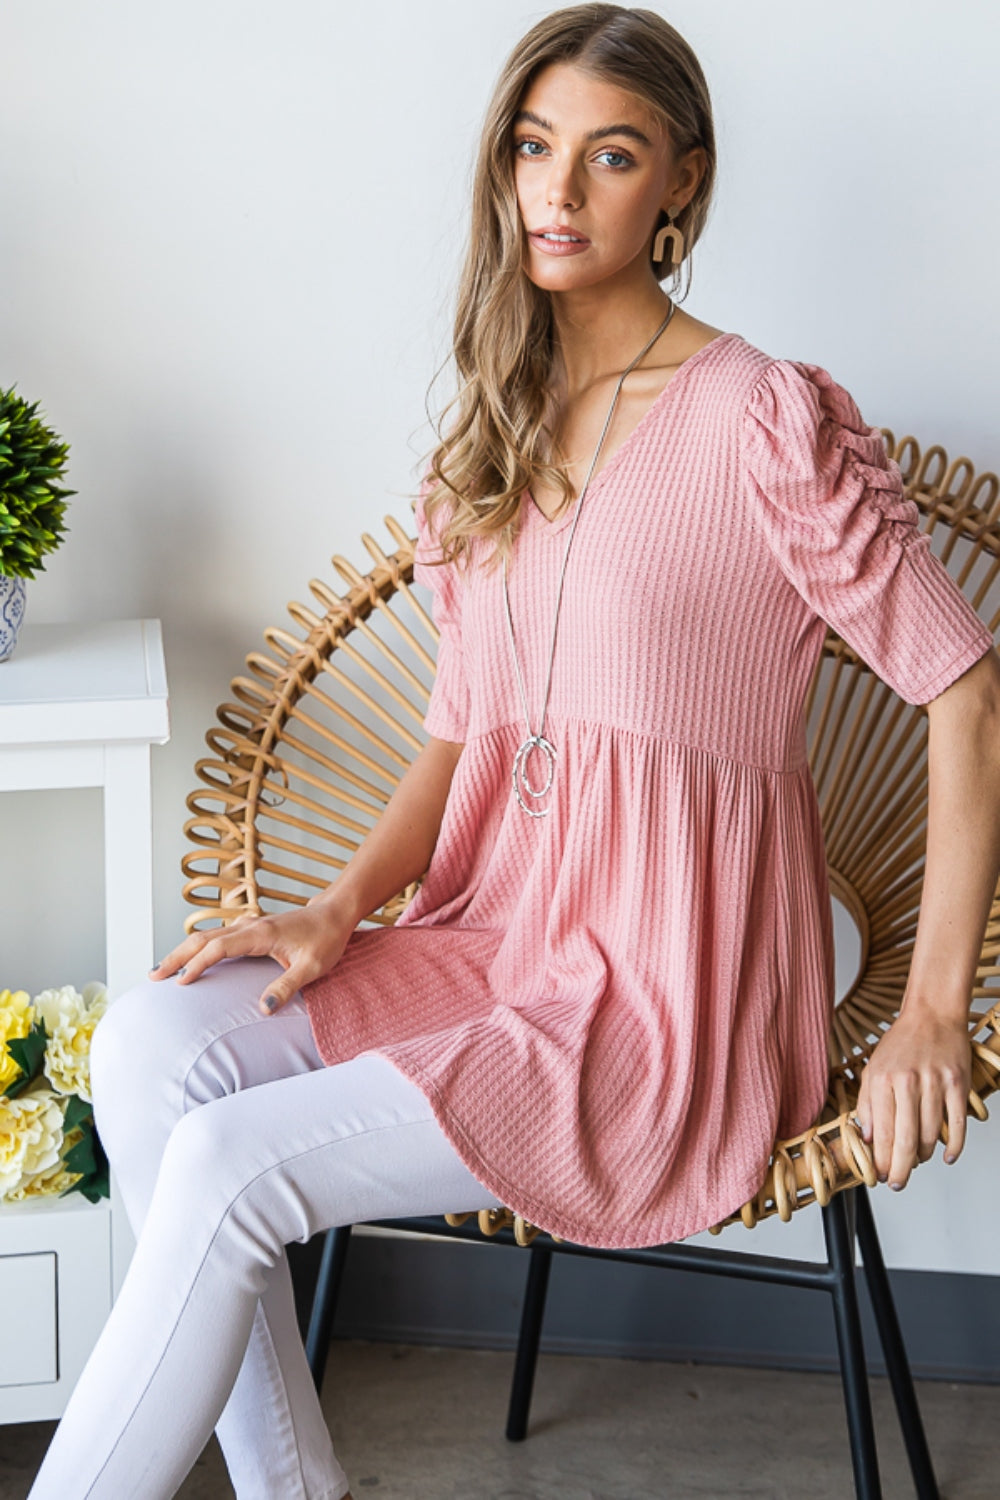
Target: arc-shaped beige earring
x=669 y=231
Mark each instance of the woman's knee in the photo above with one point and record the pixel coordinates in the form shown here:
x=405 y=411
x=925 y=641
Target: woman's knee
x=133 y=1041
x=210 y=1171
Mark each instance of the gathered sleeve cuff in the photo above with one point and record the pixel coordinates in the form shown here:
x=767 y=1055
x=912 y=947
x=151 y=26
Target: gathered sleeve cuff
x=447 y=715
x=832 y=507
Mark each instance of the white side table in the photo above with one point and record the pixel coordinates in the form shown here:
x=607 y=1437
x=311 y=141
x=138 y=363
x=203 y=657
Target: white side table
x=80 y=706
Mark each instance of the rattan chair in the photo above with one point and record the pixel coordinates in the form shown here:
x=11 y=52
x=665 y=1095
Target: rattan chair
x=308 y=751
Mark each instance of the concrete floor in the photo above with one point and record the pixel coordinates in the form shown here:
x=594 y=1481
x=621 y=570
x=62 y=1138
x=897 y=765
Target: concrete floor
x=418 y=1423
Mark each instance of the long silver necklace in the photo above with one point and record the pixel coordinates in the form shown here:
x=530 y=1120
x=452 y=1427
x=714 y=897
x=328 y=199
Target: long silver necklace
x=536 y=740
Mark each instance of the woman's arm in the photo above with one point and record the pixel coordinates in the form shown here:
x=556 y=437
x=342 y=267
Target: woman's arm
x=399 y=848
x=307 y=941
x=920 y=1071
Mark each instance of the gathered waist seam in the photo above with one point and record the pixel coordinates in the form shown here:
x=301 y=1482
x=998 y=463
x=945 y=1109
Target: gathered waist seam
x=517 y=727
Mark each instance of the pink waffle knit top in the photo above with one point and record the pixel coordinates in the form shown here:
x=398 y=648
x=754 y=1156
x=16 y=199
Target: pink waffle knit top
x=615 y=1010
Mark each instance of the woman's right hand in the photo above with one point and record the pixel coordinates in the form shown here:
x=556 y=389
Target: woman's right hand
x=307 y=941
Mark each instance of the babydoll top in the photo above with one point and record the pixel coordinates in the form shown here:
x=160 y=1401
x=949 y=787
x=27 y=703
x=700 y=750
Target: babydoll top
x=615 y=1010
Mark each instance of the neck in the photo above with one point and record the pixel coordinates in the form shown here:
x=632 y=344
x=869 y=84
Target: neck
x=599 y=330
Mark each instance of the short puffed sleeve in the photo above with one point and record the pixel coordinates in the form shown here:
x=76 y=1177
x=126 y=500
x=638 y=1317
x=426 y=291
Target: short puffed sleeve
x=833 y=510
x=447 y=716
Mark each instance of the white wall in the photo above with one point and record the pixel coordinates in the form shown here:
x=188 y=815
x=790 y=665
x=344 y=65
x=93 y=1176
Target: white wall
x=228 y=239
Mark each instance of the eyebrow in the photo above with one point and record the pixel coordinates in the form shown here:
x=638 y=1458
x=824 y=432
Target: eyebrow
x=593 y=135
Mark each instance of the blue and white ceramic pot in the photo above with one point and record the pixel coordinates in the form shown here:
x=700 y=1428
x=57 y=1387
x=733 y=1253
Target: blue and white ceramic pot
x=12 y=592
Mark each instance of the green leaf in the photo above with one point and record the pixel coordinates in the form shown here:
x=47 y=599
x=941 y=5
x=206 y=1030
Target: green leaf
x=89 y=1157
x=77 y=1112
x=29 y=1052
x=80 y=1158
x=93 y=1188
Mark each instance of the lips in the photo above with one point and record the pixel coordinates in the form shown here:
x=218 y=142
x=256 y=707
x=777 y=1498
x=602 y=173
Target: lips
x=564 y=232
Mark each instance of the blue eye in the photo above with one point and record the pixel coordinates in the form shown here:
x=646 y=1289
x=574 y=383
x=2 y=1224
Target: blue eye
x=625 y=160
x=622 y=164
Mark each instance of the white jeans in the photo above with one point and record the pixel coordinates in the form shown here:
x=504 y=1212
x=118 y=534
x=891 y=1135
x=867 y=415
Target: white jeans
x=203 y=1333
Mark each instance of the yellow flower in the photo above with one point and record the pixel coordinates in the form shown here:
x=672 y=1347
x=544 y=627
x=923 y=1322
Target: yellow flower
x=16 y=1015
x=70 y=1020
x=45 y=1184
x=31 y=1137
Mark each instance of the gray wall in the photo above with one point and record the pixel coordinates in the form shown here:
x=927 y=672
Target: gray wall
x=469 y=1295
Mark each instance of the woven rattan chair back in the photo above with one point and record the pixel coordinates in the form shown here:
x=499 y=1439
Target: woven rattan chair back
x=308 y=751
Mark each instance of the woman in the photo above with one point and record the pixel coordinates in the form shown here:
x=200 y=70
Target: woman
x=625 y=912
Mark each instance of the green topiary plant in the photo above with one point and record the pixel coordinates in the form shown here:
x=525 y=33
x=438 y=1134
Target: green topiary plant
x=32 y=459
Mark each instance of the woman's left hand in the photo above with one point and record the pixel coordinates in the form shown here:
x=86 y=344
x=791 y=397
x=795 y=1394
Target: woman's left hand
x=918 y=1075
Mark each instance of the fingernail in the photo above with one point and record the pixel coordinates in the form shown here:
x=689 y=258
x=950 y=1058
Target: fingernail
x=949 y=1160
x=895 y=1186
x=883 y=1176
x=271 y=1002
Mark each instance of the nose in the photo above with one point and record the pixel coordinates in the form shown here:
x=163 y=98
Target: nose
x=562 y=190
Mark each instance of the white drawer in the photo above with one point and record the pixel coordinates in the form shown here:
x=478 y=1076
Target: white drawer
x=29 y=1343
x=55 y=1295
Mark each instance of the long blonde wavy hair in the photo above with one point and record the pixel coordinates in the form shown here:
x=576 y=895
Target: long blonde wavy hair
x=499 y=438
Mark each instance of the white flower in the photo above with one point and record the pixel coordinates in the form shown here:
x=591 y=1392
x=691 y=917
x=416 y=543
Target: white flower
x=31 y=1137
x=48 y=1184
x=70 y=1019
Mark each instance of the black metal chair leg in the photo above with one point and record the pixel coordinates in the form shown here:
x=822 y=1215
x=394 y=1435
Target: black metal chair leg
x=853 y=1369
x=532 y=1314
x=324 y=1305
x=894 y=1350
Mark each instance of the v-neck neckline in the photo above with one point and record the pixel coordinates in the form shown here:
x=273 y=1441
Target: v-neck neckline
x=538 y=517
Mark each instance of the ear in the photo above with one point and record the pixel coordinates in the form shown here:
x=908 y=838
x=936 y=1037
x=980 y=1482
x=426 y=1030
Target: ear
x=690 y=170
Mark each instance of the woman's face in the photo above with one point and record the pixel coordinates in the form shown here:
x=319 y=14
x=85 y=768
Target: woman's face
x=590 y=161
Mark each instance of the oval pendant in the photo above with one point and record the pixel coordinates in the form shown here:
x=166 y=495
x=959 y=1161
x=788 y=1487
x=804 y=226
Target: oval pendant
x=519 y=772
